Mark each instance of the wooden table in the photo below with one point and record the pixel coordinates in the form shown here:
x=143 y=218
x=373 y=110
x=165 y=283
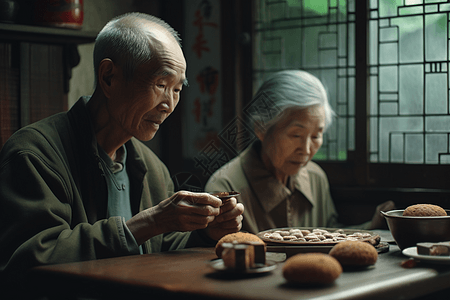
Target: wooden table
x=186 y=273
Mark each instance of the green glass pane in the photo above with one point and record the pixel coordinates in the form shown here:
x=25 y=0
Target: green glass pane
x=389 y=8
x=434 y=145
x=317 y=6
x=316 y=36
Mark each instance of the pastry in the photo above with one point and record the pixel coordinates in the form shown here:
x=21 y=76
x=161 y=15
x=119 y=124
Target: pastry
x=239 y=238
x=434 y=249
x=311 y=268
x=354 y=253
x=236 y=256
x=225 y=196
x=424 y=210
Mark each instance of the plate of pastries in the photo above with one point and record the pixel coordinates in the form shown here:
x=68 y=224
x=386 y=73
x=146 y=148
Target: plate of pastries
x=310 y=236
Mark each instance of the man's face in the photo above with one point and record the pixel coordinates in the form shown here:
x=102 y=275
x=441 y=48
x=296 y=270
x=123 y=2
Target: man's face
x=294 y=140
x=139 y=106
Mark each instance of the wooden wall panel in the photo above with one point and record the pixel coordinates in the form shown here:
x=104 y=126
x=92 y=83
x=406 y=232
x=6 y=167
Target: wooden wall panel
x=46 y=81
x=31 y=84
x=9 y=92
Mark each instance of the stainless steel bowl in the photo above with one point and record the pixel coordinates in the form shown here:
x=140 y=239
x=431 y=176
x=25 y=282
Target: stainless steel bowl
x=408 y=231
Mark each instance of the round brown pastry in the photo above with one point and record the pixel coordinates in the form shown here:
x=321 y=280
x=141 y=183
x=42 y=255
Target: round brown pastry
x=311 y=268
x=424 y=210
x=238 y=237
x=354 y=253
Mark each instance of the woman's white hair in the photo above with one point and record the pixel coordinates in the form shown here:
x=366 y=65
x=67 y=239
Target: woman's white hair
x=290 y=89
x=127 y=43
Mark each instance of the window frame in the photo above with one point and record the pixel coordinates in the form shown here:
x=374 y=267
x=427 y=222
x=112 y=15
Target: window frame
x=357 y=170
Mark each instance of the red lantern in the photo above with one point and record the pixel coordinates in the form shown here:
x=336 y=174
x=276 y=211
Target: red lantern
x=59 y=13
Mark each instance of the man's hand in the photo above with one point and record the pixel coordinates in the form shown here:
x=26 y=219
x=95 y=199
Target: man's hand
x=184 y=211
x=378 y=221
x=228 y=221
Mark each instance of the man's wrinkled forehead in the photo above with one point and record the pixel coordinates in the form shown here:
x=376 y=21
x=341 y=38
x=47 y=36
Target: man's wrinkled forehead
x=167 y=72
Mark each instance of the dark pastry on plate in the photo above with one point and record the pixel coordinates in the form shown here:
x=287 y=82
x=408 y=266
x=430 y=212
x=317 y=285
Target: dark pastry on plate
x=236 y=256
x=434 y=249
x=311 y=268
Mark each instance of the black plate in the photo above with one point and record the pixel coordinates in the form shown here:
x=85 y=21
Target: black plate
x=218 y=265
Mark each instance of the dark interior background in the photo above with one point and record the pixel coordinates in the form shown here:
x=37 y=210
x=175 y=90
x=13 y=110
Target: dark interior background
x=38 y=68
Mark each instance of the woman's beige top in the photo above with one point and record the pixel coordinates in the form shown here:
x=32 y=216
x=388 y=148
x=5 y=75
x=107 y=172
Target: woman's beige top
x=304 y=202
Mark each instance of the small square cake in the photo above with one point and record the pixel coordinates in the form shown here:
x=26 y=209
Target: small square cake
x=434 y=249
x=245 y=255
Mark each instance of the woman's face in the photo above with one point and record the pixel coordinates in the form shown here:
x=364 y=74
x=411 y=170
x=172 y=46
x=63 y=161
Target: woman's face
x=293 y=141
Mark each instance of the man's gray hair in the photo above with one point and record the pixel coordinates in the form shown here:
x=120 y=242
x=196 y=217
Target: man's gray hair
x=290 y=89
x=127 y=43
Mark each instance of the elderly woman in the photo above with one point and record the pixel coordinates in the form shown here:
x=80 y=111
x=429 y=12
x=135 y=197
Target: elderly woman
x=279 y=184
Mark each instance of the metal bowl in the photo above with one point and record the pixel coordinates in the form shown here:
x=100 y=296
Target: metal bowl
x=408 y=231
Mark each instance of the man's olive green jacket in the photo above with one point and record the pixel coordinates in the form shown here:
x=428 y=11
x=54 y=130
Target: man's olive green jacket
x=53 y=196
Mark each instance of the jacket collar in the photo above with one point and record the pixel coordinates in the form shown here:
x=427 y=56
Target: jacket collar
x=85 y=136
x=80 y=117
x=269 y=191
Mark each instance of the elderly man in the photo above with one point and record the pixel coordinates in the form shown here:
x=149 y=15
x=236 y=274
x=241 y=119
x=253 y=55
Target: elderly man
x=80 y=186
